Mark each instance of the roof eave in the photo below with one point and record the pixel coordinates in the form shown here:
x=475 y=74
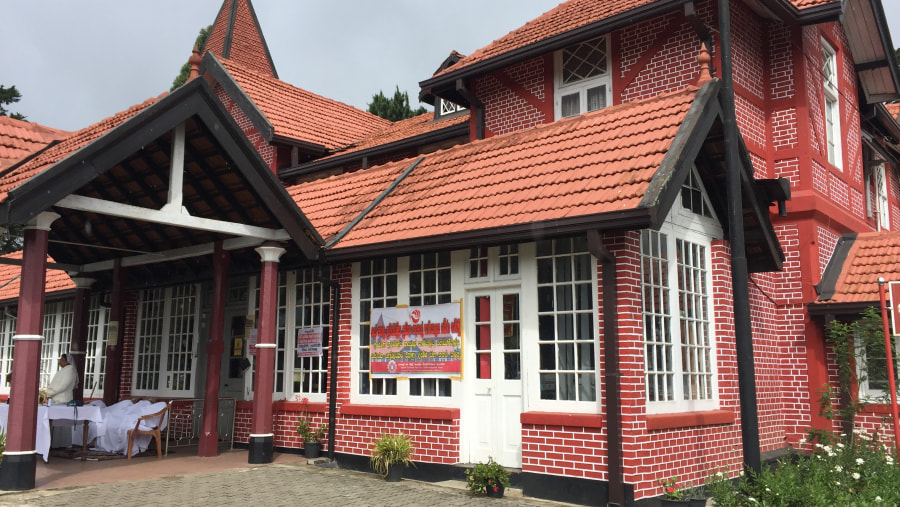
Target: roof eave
x=631 y=219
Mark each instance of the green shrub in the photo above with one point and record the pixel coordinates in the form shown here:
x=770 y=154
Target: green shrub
x=390 y=450
x=486 y=475
x=856 y=470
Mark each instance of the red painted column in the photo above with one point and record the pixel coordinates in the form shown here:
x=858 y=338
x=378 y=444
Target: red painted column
x=215 y=346
x=262 y=440
x=20 y=458
x=80 y=319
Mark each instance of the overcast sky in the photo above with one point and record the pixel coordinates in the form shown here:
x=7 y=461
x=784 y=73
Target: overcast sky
x=77 y=62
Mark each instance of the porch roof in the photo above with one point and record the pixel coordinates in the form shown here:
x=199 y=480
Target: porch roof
x=850 y=281
x=110 y=183
x=10 y=278
x=615 y=169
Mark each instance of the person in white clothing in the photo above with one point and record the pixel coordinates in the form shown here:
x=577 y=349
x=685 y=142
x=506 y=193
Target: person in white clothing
x=63 y=383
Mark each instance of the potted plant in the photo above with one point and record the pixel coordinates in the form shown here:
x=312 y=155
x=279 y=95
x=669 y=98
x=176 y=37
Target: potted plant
x=311 y=434
x=672 y=492
x=390 y=451
x=489 y=479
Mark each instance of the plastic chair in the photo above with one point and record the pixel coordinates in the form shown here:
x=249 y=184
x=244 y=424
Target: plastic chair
x=150 y=424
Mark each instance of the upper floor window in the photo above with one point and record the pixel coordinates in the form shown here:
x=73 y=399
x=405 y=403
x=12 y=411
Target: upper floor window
x=832 y=105
x=877 y=196
x=582 y=78
x=494 y=263
x=692 y=196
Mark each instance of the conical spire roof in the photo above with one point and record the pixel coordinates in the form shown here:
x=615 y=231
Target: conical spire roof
x=236 y=36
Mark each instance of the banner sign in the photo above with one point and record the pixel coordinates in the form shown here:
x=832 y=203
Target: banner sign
x=894 y=288
x=309 y=342
x=416 y=341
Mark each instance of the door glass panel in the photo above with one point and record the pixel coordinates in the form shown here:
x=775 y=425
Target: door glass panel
x=483 y=337
x=511 y=337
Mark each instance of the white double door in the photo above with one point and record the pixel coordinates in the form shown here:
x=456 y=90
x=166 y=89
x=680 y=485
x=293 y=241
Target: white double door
x=494 y=376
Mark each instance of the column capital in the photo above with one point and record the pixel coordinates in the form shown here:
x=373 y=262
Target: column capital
x=270 y=253
x=42 y=221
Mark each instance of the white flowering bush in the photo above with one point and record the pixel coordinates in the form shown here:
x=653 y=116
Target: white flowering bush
x=854 y=470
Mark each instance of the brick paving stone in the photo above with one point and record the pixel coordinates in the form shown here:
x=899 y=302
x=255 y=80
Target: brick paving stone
x=271 y=485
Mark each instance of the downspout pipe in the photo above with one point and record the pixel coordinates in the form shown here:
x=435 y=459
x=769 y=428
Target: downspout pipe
x=743 y=332
x=335 y=287
x=611 y=368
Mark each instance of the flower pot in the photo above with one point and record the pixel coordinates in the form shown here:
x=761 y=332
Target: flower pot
x=312 y=449
x=664 y=502
x=495 y=491
x=395 y=473
x=697 y=502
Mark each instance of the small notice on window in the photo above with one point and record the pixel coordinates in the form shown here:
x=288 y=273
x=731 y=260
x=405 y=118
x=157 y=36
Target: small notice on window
x=251 y=343
x=309 y=342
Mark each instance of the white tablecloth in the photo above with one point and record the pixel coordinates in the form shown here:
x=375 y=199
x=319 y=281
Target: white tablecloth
x=55 y=412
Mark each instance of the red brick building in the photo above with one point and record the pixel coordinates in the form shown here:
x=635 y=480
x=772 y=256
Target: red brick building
x=565 y=204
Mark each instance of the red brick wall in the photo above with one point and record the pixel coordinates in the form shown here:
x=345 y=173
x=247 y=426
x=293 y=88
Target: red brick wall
x=518 y=97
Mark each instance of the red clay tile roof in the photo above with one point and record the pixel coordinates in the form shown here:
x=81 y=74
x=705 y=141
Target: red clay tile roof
x=566 y=17
x=10 y=279
x=872 y=255
x=403 y=129
x=246 y=44
x=19 y=139
x=65 y=148
x=893 y=109
x=595 y=163
x=298 y=114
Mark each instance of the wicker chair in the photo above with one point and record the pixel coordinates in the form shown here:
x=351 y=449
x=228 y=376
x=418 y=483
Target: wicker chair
x=150 y=424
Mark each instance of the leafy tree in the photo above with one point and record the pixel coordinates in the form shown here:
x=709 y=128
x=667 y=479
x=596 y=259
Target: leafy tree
x=11 y=240
x=182 y=76
x=393 y=109
x=9 y=96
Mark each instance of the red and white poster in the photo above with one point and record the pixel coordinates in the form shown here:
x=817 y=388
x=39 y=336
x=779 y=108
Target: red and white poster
x=417 y=341
x=309 y=342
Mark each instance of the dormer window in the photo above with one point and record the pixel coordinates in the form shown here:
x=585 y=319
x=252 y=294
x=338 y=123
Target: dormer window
x=583 y=78
x=447 y=108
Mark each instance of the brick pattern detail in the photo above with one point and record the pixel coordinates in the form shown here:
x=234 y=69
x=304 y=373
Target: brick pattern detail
x=788 y=169
x=781 y=70
x=752 y=121
x=748 y=48
x=839 y=191
x=265 y=150
x=819 y=178
x=508 y=109
x=784 y=129
x=827 y=241
x=128 y=333
x=673 y=64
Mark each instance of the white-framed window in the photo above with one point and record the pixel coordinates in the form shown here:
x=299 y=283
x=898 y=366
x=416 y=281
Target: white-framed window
x=874 y=386
x=832 y=105
x=582 y=78
x=497 y=263
x=58 y=319
x=377 y=289
x=166 y=342
x=877 y=196
x=312 y=307
x=566 y=297
x=7 y=331
x=429 y=284
x=95 y=355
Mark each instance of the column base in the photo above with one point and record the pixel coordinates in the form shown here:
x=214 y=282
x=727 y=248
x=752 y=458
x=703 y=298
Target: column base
x=208 y=446
x=18 y=471
x=261 y=449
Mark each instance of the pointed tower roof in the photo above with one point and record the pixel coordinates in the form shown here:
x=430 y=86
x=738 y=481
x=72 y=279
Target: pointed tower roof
x=236 y=36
